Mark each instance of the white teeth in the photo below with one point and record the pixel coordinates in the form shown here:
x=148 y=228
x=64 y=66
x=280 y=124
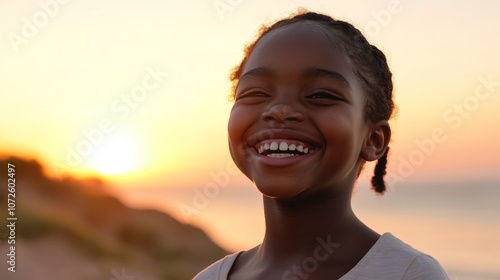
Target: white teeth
x=283 y=146
x=281 y=155
x=273 y=146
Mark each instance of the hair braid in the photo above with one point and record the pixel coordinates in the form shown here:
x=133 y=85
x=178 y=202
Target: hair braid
x=378 y=183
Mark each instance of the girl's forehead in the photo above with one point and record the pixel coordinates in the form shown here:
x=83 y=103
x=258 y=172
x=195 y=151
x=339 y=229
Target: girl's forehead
x=306 y=32
x=301 y=43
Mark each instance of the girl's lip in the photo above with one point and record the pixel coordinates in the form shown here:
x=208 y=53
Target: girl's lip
x=280 y=162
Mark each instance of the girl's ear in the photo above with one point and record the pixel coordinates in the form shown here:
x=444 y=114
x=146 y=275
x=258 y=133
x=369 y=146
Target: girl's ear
x=376 y=141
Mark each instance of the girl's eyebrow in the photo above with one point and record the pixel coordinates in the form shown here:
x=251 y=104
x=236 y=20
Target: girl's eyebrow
x=320 y=73
x=258 y=72
x=311 y=72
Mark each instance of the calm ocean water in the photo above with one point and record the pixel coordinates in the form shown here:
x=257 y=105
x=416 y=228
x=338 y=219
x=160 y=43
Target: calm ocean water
x=457 y=223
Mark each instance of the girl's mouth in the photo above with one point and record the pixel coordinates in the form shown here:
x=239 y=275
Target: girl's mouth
x=283 y=148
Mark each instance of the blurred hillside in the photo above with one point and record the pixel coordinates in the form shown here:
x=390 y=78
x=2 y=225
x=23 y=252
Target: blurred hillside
x=73 y=229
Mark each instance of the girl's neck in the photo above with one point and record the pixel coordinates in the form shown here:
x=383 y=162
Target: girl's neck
x=294 y=229
x=314 y=238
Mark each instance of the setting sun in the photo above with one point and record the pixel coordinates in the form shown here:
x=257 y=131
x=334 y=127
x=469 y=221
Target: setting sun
x=115 y=156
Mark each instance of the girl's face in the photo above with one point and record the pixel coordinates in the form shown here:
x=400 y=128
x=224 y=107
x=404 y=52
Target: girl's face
x=297 y=125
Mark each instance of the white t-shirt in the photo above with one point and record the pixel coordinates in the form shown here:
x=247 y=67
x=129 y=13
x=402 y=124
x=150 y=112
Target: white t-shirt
x=388 y=259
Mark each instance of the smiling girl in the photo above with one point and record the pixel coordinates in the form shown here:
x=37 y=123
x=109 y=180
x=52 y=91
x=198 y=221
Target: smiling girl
x=312 y=100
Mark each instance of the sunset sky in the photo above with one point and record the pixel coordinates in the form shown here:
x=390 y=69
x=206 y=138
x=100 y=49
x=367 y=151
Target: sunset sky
x=137 y=91
x=73 y=92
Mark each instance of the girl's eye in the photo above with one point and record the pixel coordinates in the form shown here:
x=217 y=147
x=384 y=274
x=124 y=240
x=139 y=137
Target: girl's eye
x=252 y=94
x=323 y=95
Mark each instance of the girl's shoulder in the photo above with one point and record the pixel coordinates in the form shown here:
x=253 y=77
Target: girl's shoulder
x=391 y=258
x=218 y=270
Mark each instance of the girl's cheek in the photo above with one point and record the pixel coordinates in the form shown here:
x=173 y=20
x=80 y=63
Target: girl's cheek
x=241 y=120
x=236 y=127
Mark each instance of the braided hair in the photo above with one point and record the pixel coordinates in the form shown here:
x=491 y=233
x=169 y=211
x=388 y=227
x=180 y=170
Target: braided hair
x=370 y=66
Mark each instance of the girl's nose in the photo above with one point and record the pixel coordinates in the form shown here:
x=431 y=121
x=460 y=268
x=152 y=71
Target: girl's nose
x=281 y=114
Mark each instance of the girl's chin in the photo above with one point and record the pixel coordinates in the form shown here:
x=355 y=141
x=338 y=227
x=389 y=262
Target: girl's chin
x=279 y=190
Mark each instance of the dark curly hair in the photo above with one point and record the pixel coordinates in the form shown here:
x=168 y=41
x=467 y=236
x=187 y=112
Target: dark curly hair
x=370 y=66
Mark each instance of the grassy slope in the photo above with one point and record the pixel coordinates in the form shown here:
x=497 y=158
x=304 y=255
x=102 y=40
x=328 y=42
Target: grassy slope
x=90 y=229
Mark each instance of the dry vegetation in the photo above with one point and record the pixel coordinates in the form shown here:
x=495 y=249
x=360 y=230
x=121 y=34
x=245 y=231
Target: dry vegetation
x=73 y=229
